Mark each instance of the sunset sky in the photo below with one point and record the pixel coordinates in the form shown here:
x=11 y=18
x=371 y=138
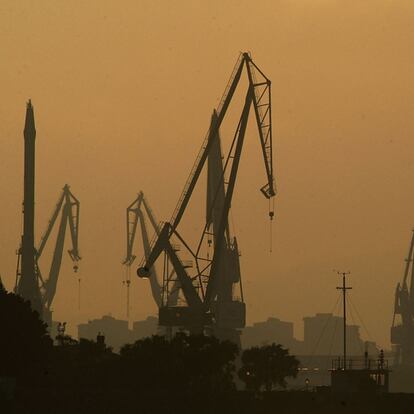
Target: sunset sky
x=123 y=93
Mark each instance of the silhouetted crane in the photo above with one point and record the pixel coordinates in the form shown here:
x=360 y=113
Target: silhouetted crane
x=402 y=330
x=137 y=213
x=27 y=286
x=206 y=290
x=68 y=207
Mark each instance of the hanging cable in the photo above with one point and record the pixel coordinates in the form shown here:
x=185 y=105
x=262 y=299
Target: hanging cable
x=360 y=319
x=127 y=282
x=333 y=337
x=333 y=311
x=271 y=216
x=326 y=325
x=354 y=321
x=79 y=293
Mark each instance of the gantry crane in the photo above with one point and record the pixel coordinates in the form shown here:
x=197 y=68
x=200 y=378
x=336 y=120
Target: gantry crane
x=68 y=207
x=206 y=285
x=402 y=330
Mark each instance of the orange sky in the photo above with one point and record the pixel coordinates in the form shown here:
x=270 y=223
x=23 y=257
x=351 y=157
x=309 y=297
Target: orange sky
x=123 y=93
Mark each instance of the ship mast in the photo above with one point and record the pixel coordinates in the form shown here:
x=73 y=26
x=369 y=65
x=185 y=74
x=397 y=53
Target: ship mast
x=344 y=288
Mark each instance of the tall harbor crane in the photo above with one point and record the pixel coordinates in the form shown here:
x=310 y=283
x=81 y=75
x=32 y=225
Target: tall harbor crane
x=138 y=212
x=402 y=330
x=68 y=208
x=206 y=283
x=135 y=214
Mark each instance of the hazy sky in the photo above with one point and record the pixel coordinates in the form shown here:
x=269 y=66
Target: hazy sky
x=123 y=92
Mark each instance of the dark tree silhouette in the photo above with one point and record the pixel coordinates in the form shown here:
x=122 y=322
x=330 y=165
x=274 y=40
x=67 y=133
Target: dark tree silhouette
x=85 y=364
x=25 y=343
x=185 y=364
x=267 y=366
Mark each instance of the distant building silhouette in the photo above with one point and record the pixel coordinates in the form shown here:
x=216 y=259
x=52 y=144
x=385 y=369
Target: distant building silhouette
x=323 y=341
x=267 y=332
x=116 y=331
x=142 y=329
x=323 y=335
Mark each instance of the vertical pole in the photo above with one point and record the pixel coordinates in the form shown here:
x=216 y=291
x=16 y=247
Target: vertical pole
x=128 y=283
x=79 y=294
x=344 y=300
x=344 y=288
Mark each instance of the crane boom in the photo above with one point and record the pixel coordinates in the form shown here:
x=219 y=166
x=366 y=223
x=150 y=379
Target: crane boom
x=262 y=108
x=151 y=216
x=131 y=226
x=45 y=236
x=202 y=156
x=68 y=206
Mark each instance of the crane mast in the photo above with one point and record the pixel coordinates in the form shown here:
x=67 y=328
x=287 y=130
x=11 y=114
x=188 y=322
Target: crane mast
x=68 y=207
x=207 y=290
x=228 y=309
x=402 y=330
x=27 y=284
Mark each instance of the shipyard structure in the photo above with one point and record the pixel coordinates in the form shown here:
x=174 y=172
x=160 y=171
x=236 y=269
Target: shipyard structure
x=30 y=284
x=27 y=284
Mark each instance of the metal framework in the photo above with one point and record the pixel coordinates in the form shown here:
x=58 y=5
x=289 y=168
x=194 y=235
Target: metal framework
x=402 y=330
x=207 y=282
x=68 y=207
x=135 y=214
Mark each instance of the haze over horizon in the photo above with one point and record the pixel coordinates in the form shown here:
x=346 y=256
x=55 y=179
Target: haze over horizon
x=123 y=94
